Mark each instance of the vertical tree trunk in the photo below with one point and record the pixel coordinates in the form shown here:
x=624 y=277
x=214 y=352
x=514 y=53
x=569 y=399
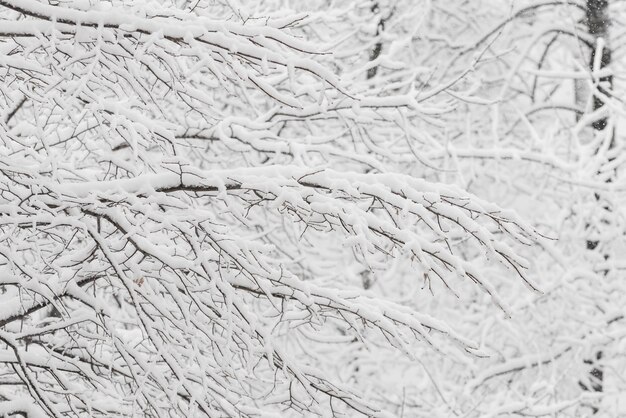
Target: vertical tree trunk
x=597 y=21
x=375 y=52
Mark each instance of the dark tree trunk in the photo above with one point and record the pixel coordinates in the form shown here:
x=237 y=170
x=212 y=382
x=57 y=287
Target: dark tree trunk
x=597 y=21
x=375 y=53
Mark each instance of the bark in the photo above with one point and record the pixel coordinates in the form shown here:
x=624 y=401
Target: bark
x=375 y=53
x=597 y=21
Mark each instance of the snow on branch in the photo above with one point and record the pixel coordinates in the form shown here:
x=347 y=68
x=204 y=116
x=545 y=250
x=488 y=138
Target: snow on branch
x=185 y=279
x=175 y=189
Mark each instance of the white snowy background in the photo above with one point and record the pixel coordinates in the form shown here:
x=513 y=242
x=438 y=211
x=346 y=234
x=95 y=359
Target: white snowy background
x=385 y=208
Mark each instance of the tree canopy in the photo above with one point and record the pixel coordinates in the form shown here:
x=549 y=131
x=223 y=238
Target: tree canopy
x=377 y=208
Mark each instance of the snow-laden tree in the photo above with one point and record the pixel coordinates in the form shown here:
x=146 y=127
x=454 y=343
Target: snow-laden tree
x=541 y=131
x=217 y=209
